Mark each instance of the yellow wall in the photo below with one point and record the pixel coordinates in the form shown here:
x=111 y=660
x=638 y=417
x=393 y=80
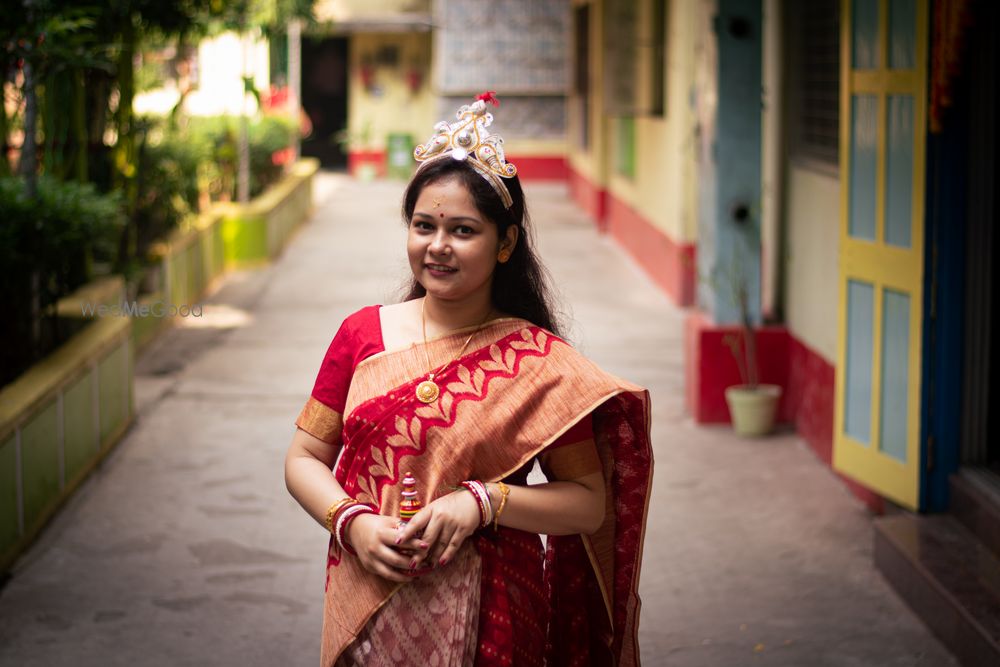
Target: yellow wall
x=396 y=109
x=534 y=147
x=592 y=162
x=812 y=224
x=664 y=189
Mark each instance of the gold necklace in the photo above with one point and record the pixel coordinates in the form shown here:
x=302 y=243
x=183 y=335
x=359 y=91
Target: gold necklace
x=428 y=391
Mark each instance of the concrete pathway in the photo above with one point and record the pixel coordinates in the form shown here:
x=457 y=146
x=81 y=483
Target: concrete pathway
x=185 y=549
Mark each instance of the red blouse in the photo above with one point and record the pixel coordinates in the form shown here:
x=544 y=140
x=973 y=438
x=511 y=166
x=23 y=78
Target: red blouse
x=359 y=337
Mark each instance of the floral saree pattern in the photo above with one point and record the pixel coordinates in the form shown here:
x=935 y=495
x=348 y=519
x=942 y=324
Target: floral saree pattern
x=499 y=407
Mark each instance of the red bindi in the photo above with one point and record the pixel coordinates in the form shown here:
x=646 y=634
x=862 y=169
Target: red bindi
x=441 y=214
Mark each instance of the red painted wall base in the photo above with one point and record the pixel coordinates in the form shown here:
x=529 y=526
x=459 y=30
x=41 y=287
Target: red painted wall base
x=355 y=159
x=709 y=367
x=540 y=167
x=590 y=198
x=807 y=380
x=670 y=264
x=529 y=168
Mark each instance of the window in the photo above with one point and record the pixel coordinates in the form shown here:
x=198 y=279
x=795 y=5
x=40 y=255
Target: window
x=625 y=146
x=658 y=58
x=581 y=72
x=813 y=78
x=635 y=57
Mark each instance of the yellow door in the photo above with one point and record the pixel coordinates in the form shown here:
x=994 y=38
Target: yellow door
x=882 y=141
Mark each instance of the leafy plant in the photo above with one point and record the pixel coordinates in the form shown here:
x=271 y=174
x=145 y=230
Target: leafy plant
x=184 y=165
x=49 y=246
x=743 y=345
x=730 y=280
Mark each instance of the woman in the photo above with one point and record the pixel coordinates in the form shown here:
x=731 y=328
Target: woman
x=458 y=391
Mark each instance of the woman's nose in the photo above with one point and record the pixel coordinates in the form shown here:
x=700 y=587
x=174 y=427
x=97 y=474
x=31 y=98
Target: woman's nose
x=439 y=243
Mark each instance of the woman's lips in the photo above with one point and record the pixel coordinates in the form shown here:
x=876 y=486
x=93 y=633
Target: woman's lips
x=440 y=270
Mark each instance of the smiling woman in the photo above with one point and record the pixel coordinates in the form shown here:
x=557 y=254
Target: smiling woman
x=454 y=252
x=462 y=388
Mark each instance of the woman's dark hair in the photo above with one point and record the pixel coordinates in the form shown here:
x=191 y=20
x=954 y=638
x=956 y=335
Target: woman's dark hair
x=520 y=285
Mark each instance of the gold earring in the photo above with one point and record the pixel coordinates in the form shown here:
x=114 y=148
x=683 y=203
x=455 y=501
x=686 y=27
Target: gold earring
x=503 y=256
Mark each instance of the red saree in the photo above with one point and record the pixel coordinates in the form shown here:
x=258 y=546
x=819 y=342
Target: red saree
x=501 y=405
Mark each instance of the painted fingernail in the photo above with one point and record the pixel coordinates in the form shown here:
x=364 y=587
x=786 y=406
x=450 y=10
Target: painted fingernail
x=413 y=564
x=442 y=561
x=424 y=545
x=399 y=539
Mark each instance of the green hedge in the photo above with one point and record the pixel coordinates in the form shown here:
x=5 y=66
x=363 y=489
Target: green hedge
x=48 y=247
x=185 y=164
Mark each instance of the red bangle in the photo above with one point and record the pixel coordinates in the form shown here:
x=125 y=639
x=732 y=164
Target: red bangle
x=478 y=491
x=344 y=518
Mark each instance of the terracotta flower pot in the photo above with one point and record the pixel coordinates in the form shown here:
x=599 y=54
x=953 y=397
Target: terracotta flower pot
x=753 y=408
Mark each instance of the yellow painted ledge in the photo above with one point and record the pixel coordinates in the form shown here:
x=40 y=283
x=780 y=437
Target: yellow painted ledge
x=25 y=394
x=179 y=239
x=275 y=195
x=108 y=291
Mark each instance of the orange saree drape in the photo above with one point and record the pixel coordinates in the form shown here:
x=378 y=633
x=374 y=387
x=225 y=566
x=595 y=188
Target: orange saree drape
x=500 y=406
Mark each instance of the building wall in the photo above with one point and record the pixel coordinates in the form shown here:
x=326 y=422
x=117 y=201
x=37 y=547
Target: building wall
x=388 y=105
x=663 y=189
x=653 y=212
x=812 y=222
x=219 y=70
x=588 y=166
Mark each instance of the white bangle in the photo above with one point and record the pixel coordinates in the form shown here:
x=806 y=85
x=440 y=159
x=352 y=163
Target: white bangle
x=346 y=515
x=482 y=496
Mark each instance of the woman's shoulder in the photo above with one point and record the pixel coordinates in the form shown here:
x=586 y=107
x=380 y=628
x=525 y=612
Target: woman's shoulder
x=360 y=334
x=360 y=327
x=363 y=318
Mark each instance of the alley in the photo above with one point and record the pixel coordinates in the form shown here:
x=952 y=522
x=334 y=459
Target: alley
x=184 y=547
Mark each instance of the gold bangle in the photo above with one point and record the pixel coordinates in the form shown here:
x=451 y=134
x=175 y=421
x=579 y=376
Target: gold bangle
x=331 y=512
x=504 y=492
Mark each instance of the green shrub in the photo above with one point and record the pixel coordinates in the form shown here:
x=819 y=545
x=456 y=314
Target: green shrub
x=167 y=184
x=183 y=165
x=48 y=248
x=267 y=136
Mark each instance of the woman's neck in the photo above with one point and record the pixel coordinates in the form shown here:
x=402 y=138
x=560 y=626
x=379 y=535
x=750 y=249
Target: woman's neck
x=446 y=315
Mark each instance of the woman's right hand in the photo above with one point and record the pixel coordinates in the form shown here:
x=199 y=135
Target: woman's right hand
x=373 y=537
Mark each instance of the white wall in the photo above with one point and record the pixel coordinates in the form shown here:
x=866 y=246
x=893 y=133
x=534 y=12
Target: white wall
x=220 y=75
x=812 y=209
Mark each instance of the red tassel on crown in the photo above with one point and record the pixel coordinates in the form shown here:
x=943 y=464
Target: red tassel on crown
x=489 y=97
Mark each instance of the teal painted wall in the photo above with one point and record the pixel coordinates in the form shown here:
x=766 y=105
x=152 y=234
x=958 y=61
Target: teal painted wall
x=729 y=220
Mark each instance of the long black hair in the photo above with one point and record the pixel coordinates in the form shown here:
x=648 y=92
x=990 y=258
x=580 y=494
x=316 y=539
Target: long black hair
x=520 y=285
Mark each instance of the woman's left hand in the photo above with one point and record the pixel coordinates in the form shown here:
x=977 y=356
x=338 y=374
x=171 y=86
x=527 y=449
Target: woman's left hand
x=445 y=524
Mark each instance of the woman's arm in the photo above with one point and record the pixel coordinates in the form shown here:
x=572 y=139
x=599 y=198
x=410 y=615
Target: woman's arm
x=310 y=480
x=564 y=507
x=308 y=474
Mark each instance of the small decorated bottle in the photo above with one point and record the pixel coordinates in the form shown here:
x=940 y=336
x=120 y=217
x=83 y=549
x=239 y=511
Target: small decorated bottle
x=410 y=504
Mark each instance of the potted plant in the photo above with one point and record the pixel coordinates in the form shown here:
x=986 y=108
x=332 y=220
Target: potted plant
x=752 y=405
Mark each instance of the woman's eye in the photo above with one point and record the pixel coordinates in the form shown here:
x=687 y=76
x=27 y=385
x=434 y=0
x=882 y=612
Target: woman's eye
x=464 y=229
x=420 y=224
